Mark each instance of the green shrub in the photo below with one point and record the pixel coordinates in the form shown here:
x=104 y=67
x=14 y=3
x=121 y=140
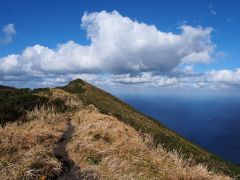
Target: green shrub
x=59 y=104
x=46 y=90
x=15 y=103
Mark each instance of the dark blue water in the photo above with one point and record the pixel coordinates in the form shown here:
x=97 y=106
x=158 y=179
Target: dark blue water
x=213 y=122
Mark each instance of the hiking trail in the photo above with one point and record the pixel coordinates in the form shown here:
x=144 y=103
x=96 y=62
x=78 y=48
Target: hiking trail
x=70 y=169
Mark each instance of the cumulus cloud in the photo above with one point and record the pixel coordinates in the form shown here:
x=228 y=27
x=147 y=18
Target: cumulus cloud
x=121 y=51
x=118 y=45
x=8 y=31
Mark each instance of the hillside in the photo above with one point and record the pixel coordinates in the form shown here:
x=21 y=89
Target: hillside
x=6 y=87
x=80 y=131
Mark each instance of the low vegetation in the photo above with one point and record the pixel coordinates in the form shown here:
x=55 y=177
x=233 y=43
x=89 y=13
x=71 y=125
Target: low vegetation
x=109 y=139
x=15 y=103
x=26 y=150
x=110 y=149
x=75 y=87
x=110 y=105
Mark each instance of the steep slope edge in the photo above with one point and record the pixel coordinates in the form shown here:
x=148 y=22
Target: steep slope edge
x=110 y=105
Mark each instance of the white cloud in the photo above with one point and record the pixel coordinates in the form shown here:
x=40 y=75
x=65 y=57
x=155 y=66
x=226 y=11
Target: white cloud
x=121 y=52
x=9 y=31
x=211 y=9
x=209 y=80
x=214 y=79
x=213 y=12
x=228 y=76
x=145 y=78
x=118 y=45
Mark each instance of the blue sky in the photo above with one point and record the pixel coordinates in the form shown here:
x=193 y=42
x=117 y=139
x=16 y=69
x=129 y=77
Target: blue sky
x=52 y=23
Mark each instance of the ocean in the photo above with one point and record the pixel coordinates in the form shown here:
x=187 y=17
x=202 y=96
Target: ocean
x=213 y=122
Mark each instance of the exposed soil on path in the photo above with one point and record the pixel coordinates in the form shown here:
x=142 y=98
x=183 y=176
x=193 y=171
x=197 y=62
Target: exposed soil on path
x=70 y=169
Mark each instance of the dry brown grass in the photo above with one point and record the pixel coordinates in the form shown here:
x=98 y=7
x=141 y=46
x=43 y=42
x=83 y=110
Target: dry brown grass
x=113 y=150
x=70 y=100
x=101 y=146
x=26 y=149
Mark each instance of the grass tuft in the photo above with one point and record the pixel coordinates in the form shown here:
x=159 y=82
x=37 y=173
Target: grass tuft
x=26 y=148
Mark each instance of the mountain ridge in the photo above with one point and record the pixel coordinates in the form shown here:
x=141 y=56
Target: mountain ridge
x=168 y=142
x=105 y=103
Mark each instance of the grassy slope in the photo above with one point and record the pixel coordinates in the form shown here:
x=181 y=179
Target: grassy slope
x=26 y=149
x=106 y=148
x=101 y=145
x=108 y=104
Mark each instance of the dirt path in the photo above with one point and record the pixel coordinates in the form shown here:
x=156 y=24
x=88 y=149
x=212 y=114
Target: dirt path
x=71 y=170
